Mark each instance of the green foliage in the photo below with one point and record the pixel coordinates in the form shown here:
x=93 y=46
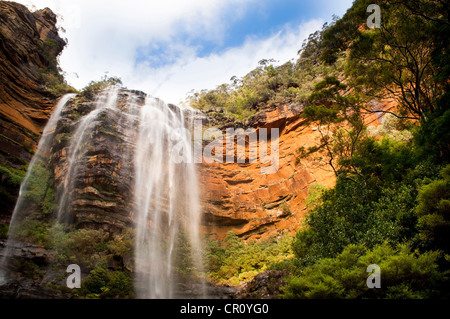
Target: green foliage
x=233 y=261
x=11 y=179
x=402 y=58
x=119 y=286
x=88 y=247
x=48 y=205
x=11 y=176
x=394 y=128
x=33 y=221
x=266 y=85
x=314 y=198
x=56 y=84
x=92 y=250
x=369 y=208
x=85 y=245
x=52 y=76
x=32 y=229
x=38 y=189
x=337 y=37
x=4 y=228
x=121 y=245
x=37 y=183
x=27 y=268
x=95 y=87
x=50 y=48
x=389 y=205
x=385 y=160
x=405 y=274
x=433 y=136
x=339 y=123
x=97 y=280
x=101 y=283
x=433 y=212
x=183 y=254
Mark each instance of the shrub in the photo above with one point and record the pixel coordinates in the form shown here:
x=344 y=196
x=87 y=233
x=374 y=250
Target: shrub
x=84 y=247
x=32 y=230
x=95 y=87
x=4 y=231
x=433 y=212
x=101 y=283
x=52 y=76
x=11 y=179
x=233 y=260
x=404 y=274
x=37 y=183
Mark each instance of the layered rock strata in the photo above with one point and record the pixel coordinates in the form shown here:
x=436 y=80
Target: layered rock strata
x=29 y=42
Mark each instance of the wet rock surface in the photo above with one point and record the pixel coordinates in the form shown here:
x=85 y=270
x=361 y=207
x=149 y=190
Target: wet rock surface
x=15 y=286
x=264 y=286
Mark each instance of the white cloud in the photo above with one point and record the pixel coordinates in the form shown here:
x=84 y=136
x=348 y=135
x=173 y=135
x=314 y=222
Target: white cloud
x=172 y=82
x=105 y=35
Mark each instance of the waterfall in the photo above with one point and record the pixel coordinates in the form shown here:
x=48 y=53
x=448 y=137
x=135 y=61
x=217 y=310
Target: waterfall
x=40 y=157
x=163 y=194
x=107 y=99
x=167 y=201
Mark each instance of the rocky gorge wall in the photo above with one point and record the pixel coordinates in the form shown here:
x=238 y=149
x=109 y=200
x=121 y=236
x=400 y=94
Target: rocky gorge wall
x=29 y=42
x=238 y=198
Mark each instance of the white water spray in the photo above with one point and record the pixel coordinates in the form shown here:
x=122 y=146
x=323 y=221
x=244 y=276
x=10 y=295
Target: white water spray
x=106 y=100
x=41 y=157
x=167 y=202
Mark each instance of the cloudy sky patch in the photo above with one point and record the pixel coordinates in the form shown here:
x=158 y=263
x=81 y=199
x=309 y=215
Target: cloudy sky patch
x=167 y=48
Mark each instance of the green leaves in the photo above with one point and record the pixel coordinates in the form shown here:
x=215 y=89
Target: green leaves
x=96 y=86
x=433 y=212
x=320 y=113
x=233 y=260
x=404 y=274
x=399 y=60
x=101 y=283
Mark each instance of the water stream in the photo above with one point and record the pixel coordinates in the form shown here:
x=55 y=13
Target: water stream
x=166 y=211
x=167 y=201
x=39 y=159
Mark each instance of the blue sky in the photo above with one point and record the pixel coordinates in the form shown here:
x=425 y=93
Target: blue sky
x=169 y=47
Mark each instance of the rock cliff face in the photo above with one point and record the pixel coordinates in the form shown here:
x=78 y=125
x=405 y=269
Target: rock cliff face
x=238 y=198
x=29 y=42
x=101 y=183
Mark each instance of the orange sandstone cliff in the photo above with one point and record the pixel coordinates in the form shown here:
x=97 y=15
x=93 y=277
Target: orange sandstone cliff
x=28 y=44
x=238 y=198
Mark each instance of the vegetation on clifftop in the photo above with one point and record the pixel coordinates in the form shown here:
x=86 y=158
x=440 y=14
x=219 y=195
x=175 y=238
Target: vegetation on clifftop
x=266 y=86
x=52 y=77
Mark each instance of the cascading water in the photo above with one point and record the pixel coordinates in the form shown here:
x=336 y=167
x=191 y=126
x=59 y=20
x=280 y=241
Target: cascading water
x=105 y=100
x=166 y=212
x=39 y=159
x=167 y=205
